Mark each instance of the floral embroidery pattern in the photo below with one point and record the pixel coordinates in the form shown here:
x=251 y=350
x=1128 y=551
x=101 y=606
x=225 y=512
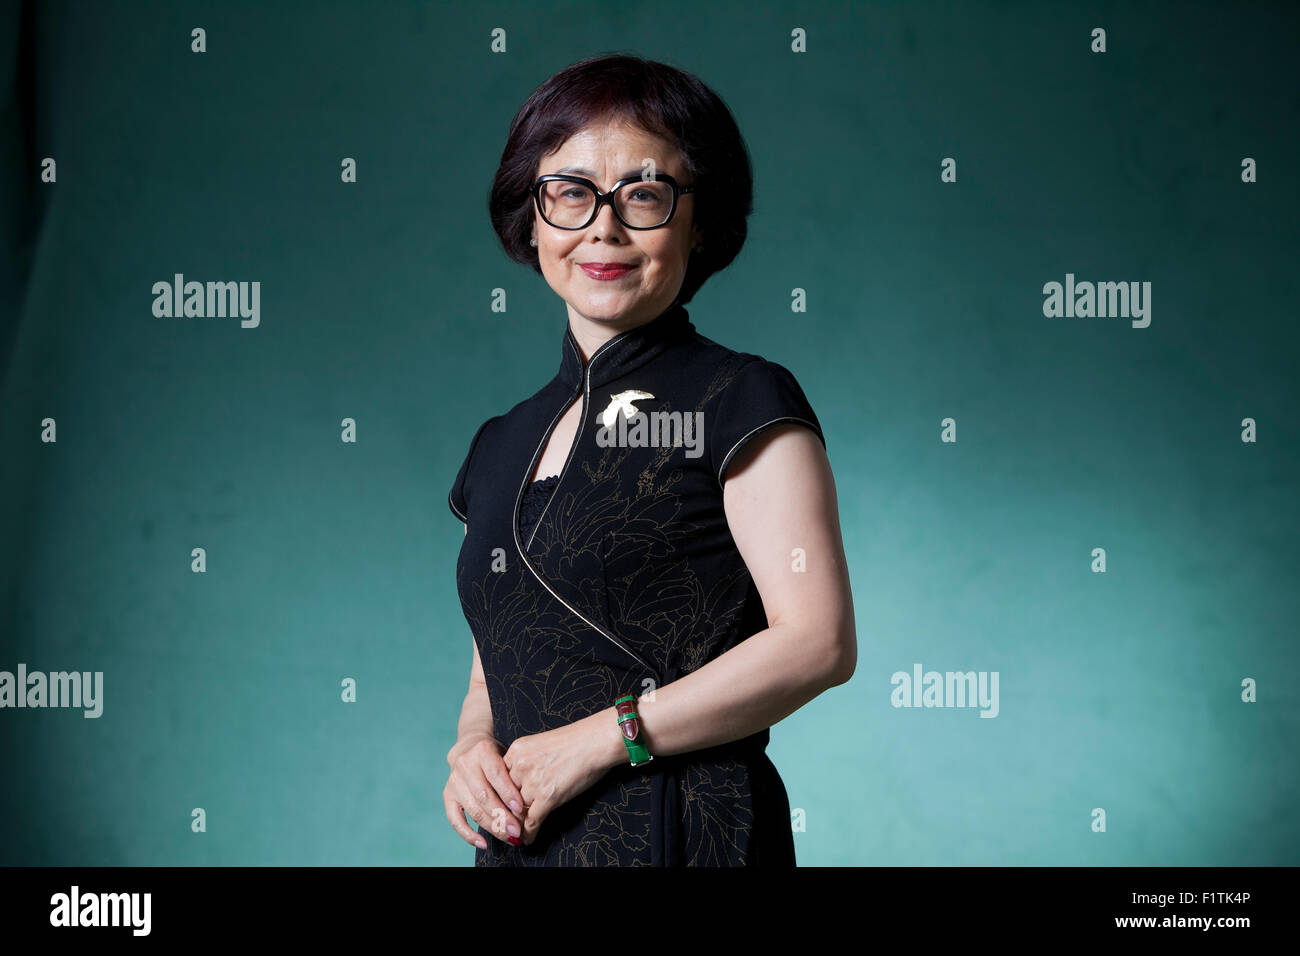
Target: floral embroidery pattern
x=615 y=544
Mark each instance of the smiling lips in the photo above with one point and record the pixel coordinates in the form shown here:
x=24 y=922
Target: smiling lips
x=606 y=270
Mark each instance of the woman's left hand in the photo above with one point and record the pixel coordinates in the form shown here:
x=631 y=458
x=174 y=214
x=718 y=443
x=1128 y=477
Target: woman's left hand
x=555 y=766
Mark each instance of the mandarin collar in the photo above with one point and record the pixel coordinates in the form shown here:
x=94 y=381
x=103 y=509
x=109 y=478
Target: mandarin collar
x=626 y=351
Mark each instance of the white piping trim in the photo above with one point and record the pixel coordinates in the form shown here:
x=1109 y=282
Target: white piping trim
x=784 y=418
x=577 y=436
x=514 y=517
x=533 y=464
x=599 y=630
x=462 y=517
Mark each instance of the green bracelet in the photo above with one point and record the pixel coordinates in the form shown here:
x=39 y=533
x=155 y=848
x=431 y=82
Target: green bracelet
x=630 y=724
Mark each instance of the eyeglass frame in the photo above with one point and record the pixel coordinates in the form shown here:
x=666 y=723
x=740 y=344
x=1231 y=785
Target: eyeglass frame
x=602 y=198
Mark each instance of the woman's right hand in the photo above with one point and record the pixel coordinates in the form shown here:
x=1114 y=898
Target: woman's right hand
x=479 y=785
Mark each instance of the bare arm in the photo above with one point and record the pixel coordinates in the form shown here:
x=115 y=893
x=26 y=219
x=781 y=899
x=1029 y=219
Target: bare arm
x=476 y=712
x=779 y=496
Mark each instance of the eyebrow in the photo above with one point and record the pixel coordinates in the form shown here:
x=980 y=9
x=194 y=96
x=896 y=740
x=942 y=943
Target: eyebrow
x=580 y=171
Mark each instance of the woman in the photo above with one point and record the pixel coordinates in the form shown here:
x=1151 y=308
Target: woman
x=689 y=563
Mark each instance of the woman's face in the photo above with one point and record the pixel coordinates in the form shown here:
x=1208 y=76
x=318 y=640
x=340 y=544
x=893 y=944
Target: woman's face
x=606 y=153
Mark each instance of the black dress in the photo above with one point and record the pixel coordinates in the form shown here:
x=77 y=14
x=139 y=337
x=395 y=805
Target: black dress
x=628 y=579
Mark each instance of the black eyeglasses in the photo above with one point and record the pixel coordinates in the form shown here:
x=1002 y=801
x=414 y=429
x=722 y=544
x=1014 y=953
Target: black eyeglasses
x=571 y=202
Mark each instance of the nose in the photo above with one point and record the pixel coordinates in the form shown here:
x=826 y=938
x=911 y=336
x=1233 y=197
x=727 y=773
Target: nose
x=606 y=224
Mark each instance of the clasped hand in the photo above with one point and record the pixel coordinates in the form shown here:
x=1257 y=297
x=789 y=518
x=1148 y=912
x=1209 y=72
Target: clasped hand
x=513 y=792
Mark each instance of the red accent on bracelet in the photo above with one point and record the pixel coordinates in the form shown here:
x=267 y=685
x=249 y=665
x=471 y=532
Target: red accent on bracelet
x=632 y=726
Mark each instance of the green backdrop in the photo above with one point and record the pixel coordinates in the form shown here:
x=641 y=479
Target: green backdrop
x=1119 y=690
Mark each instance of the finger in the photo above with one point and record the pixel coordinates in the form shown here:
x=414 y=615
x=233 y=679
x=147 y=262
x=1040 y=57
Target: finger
x=472 y=808
x=456 y=817
x=496 y=816
x=516 y=768
x=498 y=775
x=533 y=819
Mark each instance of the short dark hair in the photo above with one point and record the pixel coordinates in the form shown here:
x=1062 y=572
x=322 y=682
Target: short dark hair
x=658 y=98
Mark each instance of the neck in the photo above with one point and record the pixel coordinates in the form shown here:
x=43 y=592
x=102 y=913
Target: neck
x=591 y=334
x=597 y=351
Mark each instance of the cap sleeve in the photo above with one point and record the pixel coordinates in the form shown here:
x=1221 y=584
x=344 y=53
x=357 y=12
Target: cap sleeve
x=458 y=498
x=760 y=395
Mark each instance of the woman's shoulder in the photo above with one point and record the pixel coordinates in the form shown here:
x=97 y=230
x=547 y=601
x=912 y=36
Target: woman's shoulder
x=516 y=427
x=738 y=370
x=747 y=394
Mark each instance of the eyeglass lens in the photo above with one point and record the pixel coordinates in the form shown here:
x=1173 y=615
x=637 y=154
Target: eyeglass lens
x=641 y=204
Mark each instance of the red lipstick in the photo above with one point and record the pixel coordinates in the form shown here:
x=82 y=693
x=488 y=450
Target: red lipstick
x=606 y=270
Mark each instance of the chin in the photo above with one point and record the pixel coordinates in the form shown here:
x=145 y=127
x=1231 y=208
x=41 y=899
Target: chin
x=603 y=309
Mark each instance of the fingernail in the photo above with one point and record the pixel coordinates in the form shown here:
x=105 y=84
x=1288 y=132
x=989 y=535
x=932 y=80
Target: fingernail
x=513 y=829
x=481 y=843
x=515 y=840
x=516 y=806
